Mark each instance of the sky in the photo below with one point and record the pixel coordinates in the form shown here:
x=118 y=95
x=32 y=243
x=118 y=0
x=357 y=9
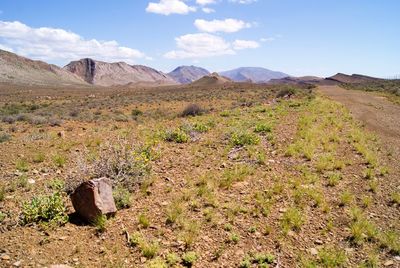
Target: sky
x=307 y=37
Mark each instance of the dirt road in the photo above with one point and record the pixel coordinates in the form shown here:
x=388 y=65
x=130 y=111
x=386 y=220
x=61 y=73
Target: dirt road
x=377 y=113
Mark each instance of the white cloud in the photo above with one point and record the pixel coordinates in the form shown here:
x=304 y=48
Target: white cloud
x=167 y=7
x=199 y=45
x=227 y=25
x=243 y=1
x=245 y=44
x=203 y=45
x=206 y=2
x=208 y=10
x=51 y=44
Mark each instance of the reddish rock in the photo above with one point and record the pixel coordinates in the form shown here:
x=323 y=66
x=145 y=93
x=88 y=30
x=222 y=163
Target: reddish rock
x=94 y=198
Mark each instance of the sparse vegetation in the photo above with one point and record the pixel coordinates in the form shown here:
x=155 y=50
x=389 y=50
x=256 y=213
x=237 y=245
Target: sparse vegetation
x=249 y=173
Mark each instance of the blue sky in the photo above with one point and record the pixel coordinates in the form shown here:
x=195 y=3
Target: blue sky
x=309 y=37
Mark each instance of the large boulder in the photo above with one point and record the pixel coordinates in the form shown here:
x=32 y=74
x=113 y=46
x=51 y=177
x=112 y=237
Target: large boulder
x=94 y=198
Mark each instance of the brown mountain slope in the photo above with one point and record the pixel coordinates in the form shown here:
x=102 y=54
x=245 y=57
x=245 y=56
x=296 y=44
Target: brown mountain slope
x=15 y=69
x=118 y=73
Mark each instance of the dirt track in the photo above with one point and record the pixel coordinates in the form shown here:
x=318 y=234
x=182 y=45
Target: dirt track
x=377 y=113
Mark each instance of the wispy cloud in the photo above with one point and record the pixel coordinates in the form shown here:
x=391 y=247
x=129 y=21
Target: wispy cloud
x=206 y=2
x=52 y=44
x=227 y=25
x=243 y=1
x=208 y=10
x=168 y=7
x=245 y=44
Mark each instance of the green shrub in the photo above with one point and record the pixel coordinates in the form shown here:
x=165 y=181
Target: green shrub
x=122 y=197
x=157 y=263
x=100 y=223
x=234 y=238
x=135 y=113
x=199 y=127
x=292 y=220
x=144 y=220
x=2 y=192
x=59 y=160
x=38 y=158
x=395 y=198
x=45 y=209
x=22 y=165
x=2 y=216
x=244 y=138
x=262 y=128
x=345 y=198
x=189 y=258
x=4 y=137
x=391 y=240
x=172 y=259
x=176 y=135
x=332 y=257
x=263 y=258
x=56 y=184
x=22 y=181
x=149 y=249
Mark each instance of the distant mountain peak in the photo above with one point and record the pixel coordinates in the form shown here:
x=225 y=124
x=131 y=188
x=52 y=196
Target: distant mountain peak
x=187 y=74
x=253 y=74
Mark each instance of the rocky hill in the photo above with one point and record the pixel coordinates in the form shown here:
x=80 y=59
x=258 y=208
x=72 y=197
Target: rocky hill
x=188 y=74
x=352 y=79
x=119 y=73
x=252 y=74
x=15 y=69
x=211 y=80
x=291 y=80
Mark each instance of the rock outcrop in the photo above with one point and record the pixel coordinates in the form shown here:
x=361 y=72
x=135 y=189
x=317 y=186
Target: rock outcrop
x=119 y=73
x=94 y=198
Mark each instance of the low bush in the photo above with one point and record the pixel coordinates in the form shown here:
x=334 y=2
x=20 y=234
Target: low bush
x=122 y=161
x=285 y=92
x=192 y=110
x=45 y=209
x=135 y=113
x=189 y=258
x=262 y=128
x=177 y=135
x=4 y=137
x=244 y=138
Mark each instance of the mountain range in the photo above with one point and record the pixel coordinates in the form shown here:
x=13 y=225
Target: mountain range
x=16 y=69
